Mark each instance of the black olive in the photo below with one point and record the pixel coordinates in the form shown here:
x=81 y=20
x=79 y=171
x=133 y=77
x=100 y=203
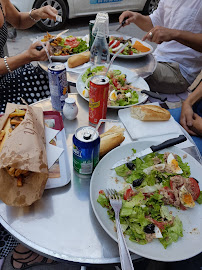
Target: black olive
x=119 y=92
x=149 y=228
x=89 y=74
x=137 y=182
x=130 y=165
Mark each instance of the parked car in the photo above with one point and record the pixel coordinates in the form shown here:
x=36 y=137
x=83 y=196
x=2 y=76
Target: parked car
x=77 y=8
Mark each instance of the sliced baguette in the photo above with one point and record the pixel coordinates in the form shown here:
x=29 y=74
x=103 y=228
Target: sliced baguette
x=149 y=113
x=111 y=139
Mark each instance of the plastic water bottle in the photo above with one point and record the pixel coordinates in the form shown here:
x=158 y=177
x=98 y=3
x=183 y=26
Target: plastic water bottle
x=100 y=50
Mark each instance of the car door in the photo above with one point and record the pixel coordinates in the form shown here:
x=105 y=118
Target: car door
x=93 y=6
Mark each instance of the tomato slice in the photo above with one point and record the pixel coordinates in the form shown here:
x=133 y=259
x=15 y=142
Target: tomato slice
x=116 y=45
x=111 y=42
x=194 y=188
x=128 y=194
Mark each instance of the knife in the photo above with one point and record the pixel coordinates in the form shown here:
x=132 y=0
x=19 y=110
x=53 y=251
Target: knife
x=122 y=24
x=154 y=95
x=151 y=149
x=39 y=48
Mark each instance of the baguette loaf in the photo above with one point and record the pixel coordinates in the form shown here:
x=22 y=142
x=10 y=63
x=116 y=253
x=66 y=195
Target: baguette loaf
x=111 y=139
x=149 y=113
x=79 y=59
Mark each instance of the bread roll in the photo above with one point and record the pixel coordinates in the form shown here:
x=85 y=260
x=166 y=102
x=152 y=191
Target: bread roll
x=149 y=113
x=111 y=139
x=79 y=59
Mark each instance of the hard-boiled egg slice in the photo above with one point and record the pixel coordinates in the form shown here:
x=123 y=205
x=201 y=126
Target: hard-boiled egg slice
x=173 y=164
x=186 y=198
x=113 y=95
x=85 y=93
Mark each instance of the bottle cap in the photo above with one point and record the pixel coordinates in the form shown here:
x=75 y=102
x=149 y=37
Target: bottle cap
x=70 y=100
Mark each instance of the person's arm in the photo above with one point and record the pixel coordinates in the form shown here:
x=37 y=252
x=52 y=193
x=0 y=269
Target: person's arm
x=187 y=115
x=143 y=22
x=161 y=34
x=24 y=58
x=22 y=20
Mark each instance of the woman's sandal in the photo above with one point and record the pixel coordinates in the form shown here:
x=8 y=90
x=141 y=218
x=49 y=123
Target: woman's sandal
x=26 y=263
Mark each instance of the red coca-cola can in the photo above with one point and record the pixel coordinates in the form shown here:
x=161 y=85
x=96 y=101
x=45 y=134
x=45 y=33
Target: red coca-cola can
x=98 y=97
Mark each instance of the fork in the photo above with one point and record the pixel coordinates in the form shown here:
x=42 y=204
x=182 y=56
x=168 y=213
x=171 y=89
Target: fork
x=116 y=203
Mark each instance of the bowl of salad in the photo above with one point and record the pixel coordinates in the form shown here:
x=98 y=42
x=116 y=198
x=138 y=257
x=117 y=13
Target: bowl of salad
x=135 y=49
x=65 y=46
x=161 y=213
x=124 y=86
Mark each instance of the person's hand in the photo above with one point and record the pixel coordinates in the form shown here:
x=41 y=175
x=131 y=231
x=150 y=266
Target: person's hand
x=159 y=34
x=35 y=55
x=45 y=12
x=131 y=17
x=187 y=117
x=197 y=125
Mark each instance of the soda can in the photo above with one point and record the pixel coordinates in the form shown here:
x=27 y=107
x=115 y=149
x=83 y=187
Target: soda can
x=86 y=148
x=91 y=37
x=58 y=85
x=98 y=97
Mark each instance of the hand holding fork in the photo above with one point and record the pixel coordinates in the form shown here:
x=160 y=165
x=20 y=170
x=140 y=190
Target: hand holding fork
x=116 y=203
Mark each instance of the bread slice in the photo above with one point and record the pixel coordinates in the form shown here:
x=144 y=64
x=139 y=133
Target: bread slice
x=111 y=139
x=149 y=113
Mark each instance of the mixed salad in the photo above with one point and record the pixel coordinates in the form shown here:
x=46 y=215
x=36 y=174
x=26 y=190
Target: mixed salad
x=121 y=92
x=155 y=181
x=115 y=43
x=66 y=46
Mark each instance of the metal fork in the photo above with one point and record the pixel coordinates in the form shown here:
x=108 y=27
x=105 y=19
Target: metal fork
x=116 y=203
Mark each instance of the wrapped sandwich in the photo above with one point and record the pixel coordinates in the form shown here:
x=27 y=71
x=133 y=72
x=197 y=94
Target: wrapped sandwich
x=23 y=162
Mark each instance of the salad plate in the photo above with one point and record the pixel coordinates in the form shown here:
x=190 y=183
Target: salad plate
x=131 y=77
x=134 y=55
x=64 y=58
x=104 y=178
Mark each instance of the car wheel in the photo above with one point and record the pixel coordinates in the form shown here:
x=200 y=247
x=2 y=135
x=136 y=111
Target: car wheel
x=150 y=6
x=51 y=25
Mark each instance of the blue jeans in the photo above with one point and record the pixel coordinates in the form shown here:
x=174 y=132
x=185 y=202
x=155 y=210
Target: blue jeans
x=197 y=109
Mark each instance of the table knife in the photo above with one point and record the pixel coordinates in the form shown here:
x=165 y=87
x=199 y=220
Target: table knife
x=39 y=48
x=151 y=149
x=122 y=24
x=154 y=95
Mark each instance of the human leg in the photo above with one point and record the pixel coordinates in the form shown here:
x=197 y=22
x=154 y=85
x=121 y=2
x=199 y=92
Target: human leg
x=7 y=242
x=167 y=79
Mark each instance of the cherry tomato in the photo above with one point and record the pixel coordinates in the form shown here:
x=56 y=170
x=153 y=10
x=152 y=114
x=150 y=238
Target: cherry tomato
x=128 y=194
x=195 y=189
x=101 y=191
x=116 y=45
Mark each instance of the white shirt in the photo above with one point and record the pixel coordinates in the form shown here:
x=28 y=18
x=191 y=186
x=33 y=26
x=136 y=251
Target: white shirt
x=183 y=15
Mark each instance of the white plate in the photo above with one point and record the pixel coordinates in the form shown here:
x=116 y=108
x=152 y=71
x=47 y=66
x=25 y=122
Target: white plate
x=62 y=58
x=187 y=246
x=131 y=77
x=134 y=55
